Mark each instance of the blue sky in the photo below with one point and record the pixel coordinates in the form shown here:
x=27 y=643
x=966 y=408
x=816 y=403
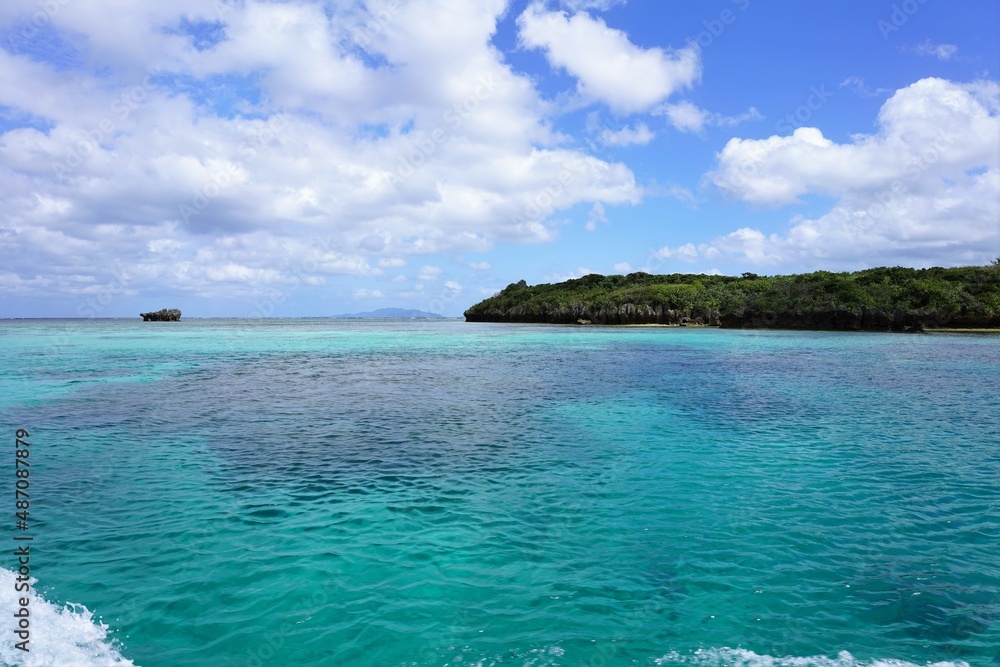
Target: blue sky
x=242 y=158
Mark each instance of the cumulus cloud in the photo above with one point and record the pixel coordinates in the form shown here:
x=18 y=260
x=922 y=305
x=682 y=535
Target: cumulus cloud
x=480 y=266
x=930 y=131
x=608 y=67
x=350 y=122
x=927 y=184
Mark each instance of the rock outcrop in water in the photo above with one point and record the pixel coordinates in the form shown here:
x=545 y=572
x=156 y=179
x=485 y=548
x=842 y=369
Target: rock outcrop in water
x=883 y=299
x=164 y=315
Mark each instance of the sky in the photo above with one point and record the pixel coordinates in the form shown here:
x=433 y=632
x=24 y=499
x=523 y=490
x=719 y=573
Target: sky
x=251 y=158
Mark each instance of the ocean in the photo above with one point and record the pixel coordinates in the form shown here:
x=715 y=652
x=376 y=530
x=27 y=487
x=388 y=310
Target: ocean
x=427 y=493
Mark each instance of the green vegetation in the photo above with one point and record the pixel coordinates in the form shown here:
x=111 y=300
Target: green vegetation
x=881 y=298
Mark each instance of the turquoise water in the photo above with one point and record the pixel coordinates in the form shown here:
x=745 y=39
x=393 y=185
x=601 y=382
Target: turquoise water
x=411 y=493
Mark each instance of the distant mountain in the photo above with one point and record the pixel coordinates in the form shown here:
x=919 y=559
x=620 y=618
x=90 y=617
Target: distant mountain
x=393 y=312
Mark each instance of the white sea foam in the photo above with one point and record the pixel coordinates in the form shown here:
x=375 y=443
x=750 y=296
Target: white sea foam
x=734 y=657
x=66 y=636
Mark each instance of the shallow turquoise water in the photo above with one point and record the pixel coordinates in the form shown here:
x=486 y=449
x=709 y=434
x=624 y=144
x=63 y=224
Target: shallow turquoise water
x=322 y=492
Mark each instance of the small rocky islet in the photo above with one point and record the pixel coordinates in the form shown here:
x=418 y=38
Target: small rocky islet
x=162 y=315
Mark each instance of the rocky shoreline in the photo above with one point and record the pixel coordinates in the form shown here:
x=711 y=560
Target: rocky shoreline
x=836 y=318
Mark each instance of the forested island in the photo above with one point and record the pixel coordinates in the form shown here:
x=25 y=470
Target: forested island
x=880 y=299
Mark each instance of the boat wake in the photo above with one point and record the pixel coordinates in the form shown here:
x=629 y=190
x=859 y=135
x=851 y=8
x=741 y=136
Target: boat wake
x=60 y=636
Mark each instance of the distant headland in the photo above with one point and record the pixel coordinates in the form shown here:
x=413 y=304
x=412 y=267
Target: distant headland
x=164 y=315
x=393 y=312
x=881 y=299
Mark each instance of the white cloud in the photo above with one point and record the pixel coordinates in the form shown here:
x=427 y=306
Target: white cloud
x=688 y=117
x=623 y=267
x=597 y=216
x=424 y=145
x=858 y=85
x=747 y=116
x=678 y=192
x=607 y=66
x=939 y=51
x=927 y=185
x=480 y=266
x=367 y=294
x=954 y=226
x=929 y=131
x=570 y=275
x=627 y=136
x=685 y=253
x=429 y=273
x=590 y=5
